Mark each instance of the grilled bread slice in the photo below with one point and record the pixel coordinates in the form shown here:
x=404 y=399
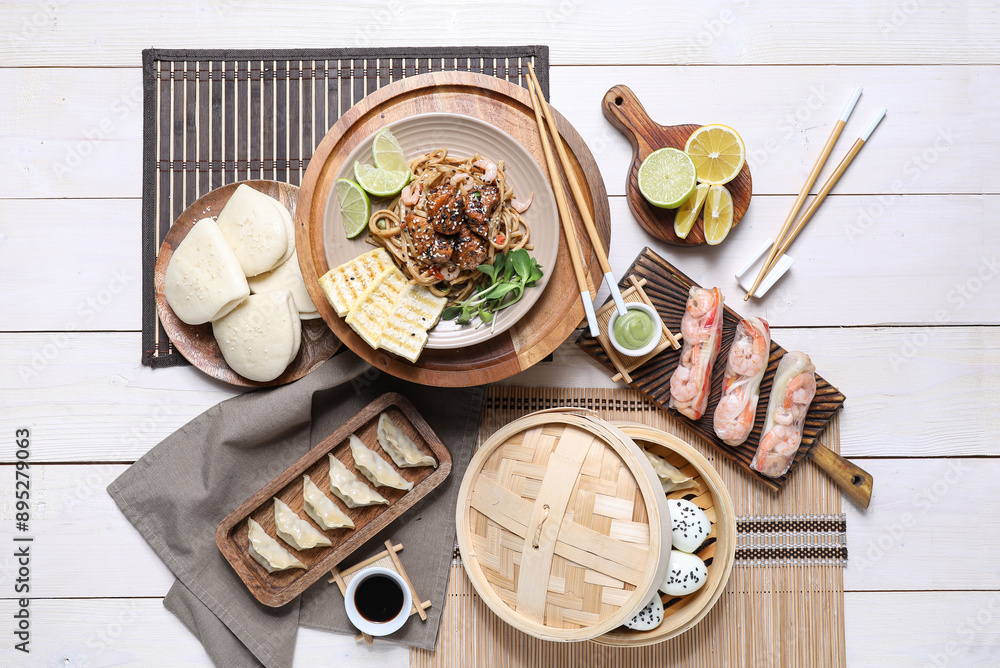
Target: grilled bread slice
x=344 y=285
x=417 y=310
x=376 y=305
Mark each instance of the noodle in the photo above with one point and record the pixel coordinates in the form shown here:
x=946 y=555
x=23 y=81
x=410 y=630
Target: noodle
x=507 y=229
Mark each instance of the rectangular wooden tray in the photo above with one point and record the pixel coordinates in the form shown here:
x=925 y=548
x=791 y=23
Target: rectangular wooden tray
x=278 y=588
x=668 y=288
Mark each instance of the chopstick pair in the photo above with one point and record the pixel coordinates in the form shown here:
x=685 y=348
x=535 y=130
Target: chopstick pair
x=781 y=243
x=541 y=108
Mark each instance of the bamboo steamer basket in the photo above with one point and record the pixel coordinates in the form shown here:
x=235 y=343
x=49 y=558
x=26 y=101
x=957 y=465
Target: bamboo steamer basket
x=681 y=613
x=561 y=525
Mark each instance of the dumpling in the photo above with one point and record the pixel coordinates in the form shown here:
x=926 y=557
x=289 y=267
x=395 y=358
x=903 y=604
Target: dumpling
x=253 y=225
x=670 y=476
x=349 y=489
x=294 y=530
x=399 y=446
x=268 y=552
x=375 y=468
x=319 y=507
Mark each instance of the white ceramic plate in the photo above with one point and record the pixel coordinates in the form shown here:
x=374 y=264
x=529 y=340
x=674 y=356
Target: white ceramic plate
x=463 y=137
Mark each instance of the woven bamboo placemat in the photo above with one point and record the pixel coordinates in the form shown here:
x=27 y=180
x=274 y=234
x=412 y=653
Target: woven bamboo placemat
x=783 y=606
x=213 y=117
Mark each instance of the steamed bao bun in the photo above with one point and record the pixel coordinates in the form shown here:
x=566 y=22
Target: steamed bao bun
x=261 y=336
x=204 y=280
x=259 y=230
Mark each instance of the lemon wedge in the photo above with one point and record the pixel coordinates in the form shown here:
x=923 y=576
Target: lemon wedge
x=718 y=214
x=688 y=213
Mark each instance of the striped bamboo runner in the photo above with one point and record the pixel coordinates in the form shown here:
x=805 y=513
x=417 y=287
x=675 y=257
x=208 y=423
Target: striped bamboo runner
x=784 y=605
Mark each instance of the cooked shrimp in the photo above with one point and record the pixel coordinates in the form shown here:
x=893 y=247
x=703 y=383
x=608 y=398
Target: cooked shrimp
x=737 y=410
x=520 y=206
x=463 y=181
x=734 y=416
x=776 y=450
x=701 y=326
x=749 y=352
x=791 y=393
x=683 y=385
x=798 y=395
x=411 y=194
x=489 y=169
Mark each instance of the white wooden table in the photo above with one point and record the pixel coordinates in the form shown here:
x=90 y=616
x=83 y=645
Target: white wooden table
x=894 y=293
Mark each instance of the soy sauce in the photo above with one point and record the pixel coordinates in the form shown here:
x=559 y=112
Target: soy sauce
x=378 y=598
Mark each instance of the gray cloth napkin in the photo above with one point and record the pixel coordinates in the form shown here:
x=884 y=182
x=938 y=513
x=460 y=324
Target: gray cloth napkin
x=181 y=489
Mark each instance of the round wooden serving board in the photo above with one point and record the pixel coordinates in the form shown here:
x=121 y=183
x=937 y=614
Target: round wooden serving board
x=623 y=109
x=508 y=107
x=196 y=342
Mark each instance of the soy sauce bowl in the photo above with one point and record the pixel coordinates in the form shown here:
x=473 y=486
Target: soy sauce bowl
x=653 y=340
x=368 y=626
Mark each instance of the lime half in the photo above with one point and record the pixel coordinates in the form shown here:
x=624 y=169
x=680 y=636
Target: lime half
x=380 y=182
x=355 y=207
x=667 y=177
x=387 y=153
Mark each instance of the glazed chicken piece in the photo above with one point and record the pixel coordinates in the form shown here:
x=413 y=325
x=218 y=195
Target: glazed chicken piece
x=470 y=250
x=435 y=247
x=445 y=208
x=479 y=205
x=449 y=216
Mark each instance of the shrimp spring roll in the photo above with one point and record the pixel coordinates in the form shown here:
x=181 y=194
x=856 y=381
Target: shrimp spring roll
x=793 y=390
x=737 y=409
x=701 y=326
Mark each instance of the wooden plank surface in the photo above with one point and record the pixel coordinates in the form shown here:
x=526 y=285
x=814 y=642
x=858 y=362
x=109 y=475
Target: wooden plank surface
x=94 y=285
x=900 y=316
x=912 y=392
x=67 y=138
x=92 y=33
x=917 y=521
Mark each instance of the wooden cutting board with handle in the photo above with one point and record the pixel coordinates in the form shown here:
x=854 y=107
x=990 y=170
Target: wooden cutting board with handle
x=625 y=112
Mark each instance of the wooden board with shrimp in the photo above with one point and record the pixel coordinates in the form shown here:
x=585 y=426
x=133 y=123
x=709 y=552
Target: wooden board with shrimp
x=668 y=288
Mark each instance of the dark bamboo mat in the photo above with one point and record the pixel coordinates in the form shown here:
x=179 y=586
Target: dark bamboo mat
x=213 y=117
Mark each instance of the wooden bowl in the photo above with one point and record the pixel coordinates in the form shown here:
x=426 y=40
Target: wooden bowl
x=196 y=342
x=681 y=613
x=560 y=525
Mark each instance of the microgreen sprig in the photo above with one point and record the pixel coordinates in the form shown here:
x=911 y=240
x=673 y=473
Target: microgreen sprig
x=509 y=275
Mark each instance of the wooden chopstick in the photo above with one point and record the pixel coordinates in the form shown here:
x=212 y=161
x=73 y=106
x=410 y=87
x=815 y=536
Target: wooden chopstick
x=567 y=222
x=823 y=192
x=581 y=201
x=804 y=191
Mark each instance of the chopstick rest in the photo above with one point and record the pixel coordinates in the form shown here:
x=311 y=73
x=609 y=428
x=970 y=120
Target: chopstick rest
x=745 y=275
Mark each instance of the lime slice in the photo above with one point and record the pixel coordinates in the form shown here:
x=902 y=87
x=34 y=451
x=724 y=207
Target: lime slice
x=718 y=214
x=667 y=177
x=380 y=182
x=688 y=213
x=718 y=153
x=387 y=153
x=355 y=207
